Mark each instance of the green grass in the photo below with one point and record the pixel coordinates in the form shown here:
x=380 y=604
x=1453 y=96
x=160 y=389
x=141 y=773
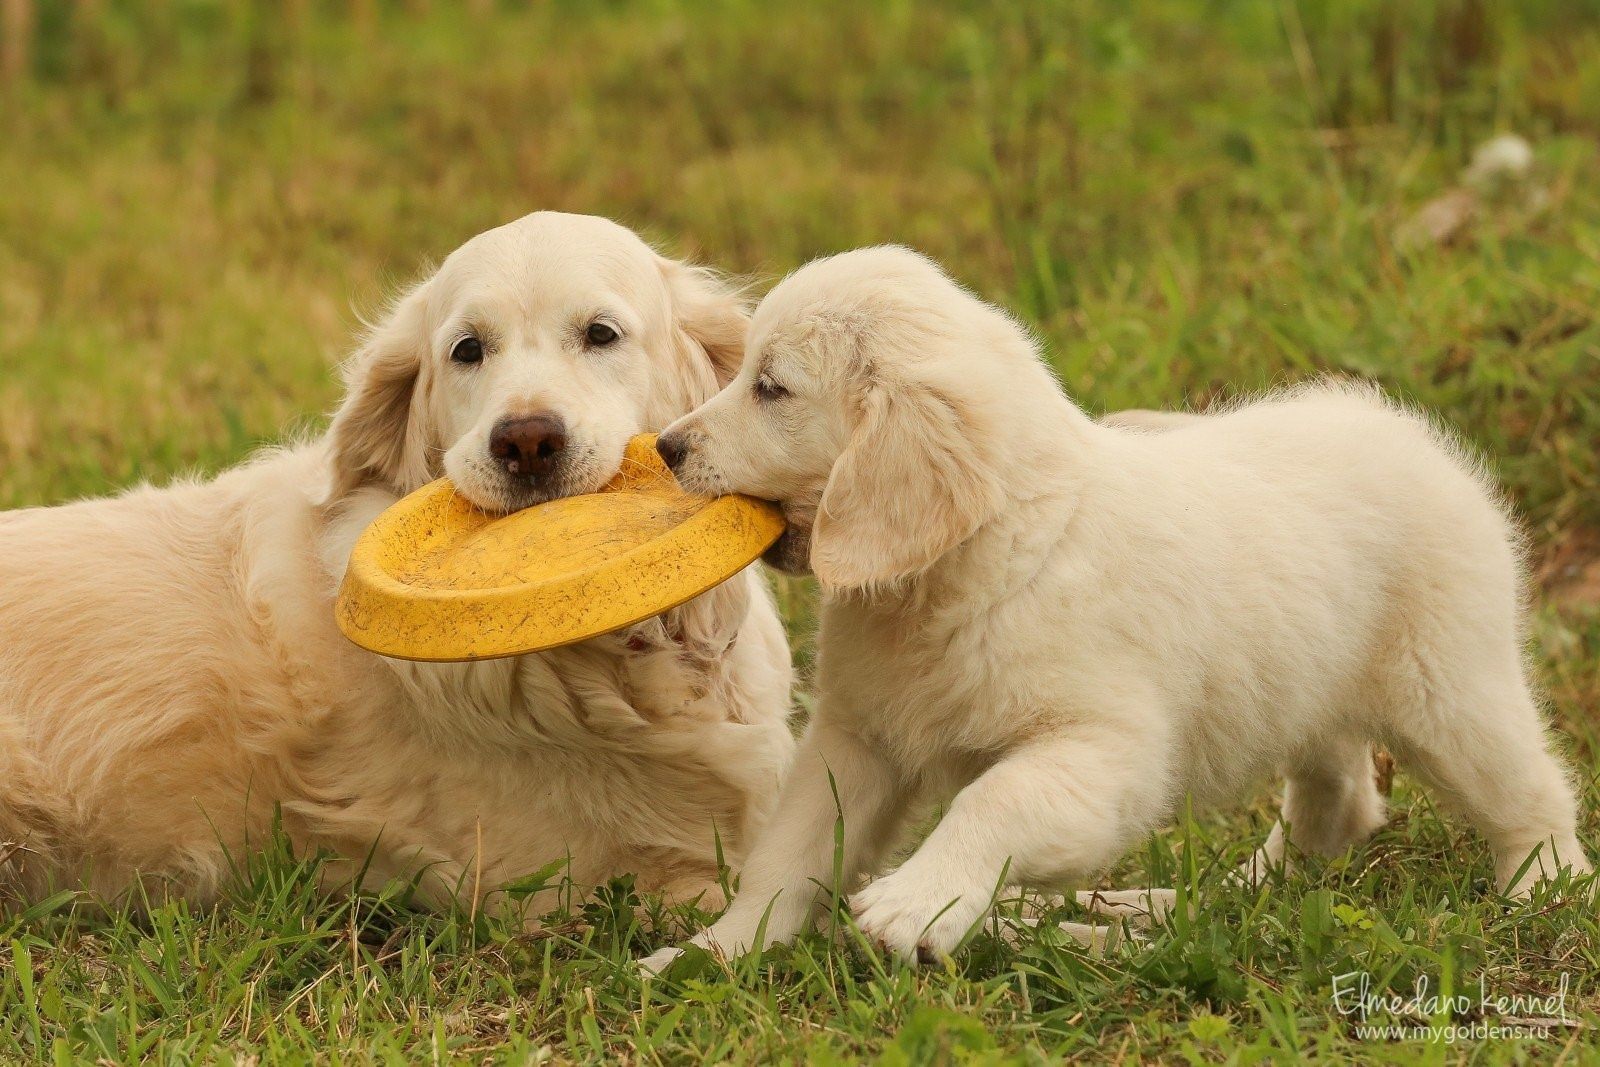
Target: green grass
x=1188 y=199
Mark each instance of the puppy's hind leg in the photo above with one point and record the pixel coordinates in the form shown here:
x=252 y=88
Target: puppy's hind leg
x=1330 y=802
x=1476 y=737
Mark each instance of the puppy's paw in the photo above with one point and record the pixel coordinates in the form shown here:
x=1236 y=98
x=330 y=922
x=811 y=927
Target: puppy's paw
x=657 y=962
x=726 y=939
x=1540 y=872
x=1142 y=908
x=919 y=920
x=725 y=944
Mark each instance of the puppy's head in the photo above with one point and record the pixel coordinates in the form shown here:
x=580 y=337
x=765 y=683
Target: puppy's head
x=862 y=407
x=523 y=365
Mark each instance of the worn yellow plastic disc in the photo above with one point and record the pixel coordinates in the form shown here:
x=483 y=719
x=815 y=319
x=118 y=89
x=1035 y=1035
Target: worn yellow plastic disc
x=434 y=578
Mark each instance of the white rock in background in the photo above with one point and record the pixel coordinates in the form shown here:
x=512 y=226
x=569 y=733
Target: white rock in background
x=1504 y=158
x=1439 y=220
x=1497 y=164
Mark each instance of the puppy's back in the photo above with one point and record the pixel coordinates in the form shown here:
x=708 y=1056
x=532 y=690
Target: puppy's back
x=1381 y=479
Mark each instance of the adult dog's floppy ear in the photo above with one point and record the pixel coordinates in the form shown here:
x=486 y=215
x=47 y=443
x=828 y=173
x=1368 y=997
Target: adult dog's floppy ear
x=710 y=313
x=375 y=438
x=913 y=483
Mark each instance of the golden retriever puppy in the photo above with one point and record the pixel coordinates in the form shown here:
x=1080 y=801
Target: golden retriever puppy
x=1059 y=629
x=170 y=671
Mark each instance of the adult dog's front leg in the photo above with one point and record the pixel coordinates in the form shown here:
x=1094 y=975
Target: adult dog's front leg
x=792 y=862
x=1055 y=810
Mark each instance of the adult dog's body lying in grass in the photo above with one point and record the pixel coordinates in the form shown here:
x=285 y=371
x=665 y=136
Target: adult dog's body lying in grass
x=170 y=671
x=1062 y=628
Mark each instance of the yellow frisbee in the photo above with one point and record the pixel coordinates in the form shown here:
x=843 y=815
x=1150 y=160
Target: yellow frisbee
x=434 y=578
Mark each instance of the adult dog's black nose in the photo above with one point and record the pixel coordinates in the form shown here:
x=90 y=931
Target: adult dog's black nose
x=530 y=446
x=672 y=450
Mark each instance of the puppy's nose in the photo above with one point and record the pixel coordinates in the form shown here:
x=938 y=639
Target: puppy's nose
x=530 y=446
x=672 y=450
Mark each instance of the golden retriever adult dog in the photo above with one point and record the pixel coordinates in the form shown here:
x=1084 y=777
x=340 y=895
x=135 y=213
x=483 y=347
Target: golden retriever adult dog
x=1061 y=628
x=170 y=670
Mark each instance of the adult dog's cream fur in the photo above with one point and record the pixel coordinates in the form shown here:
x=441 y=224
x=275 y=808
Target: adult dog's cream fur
x=170 y=671
x=1061 y=628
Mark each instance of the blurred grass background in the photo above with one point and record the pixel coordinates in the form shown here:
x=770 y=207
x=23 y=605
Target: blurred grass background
x=1188 y=199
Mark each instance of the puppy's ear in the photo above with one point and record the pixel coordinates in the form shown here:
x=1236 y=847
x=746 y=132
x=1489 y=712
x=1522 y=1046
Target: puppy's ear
x=375 y=436
x=711 y=313
x=914 y=482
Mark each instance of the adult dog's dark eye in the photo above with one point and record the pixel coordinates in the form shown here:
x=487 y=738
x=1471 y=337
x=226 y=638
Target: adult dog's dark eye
x=467 y=350
x=600 y=335
x=767 y=389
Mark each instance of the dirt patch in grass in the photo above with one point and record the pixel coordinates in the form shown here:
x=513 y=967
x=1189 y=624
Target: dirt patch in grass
x=1569 y=573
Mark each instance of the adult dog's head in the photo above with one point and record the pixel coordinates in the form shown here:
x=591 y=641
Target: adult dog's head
x=522 y=366
x=875 y=402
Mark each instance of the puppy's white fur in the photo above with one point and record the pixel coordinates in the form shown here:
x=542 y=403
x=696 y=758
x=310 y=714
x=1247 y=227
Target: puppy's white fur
x=1060 y=628
x=170 y=671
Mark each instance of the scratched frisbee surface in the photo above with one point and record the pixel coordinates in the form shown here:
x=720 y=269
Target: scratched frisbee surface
x=434 y=578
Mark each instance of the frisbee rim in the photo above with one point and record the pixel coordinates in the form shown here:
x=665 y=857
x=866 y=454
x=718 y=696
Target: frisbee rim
x=429 y=624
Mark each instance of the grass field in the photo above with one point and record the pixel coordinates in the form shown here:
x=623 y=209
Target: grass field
x=1189 y=199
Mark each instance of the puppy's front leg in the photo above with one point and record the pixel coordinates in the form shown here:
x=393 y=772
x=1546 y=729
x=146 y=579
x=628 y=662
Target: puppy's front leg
x=791 y=864
x=1055 y=810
